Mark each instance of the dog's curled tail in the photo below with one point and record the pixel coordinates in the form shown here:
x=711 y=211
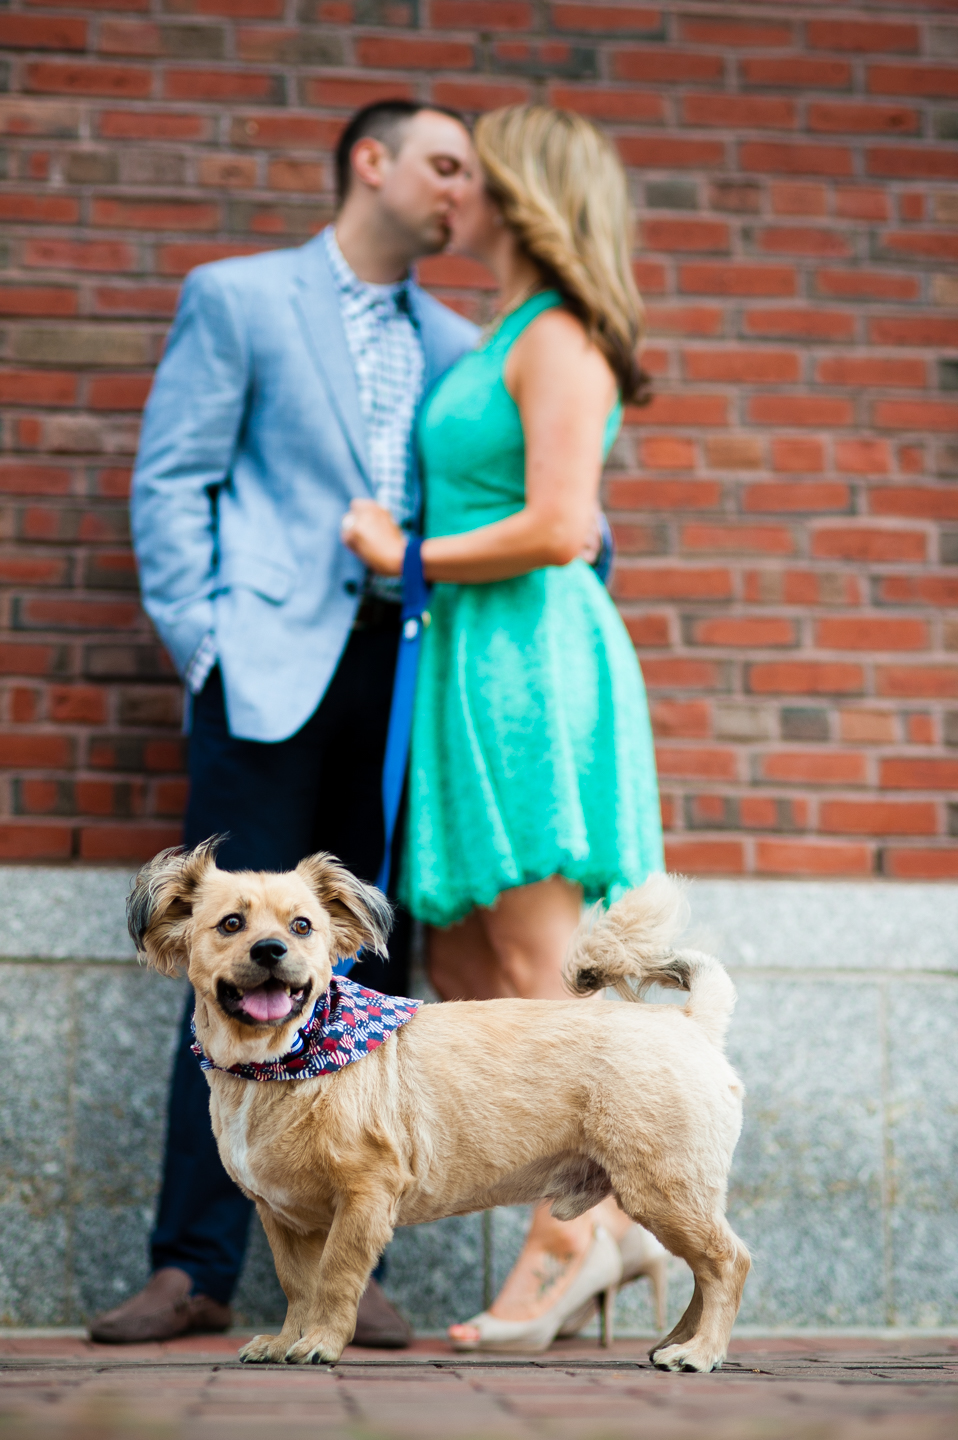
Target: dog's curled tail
x=628 y=948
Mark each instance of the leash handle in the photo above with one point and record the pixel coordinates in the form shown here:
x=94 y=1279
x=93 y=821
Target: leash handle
x=413 y=619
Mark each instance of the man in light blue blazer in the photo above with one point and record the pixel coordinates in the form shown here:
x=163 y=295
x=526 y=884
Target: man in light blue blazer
x=290 y=385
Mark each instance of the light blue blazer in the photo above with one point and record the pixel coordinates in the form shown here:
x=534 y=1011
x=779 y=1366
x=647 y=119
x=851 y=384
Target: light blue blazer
x=252 y=449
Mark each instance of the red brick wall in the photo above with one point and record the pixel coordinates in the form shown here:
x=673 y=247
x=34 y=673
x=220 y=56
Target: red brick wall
x=787 y=508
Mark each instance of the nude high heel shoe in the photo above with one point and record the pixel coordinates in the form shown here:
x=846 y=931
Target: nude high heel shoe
x=641 y=1255
x=597 y=1279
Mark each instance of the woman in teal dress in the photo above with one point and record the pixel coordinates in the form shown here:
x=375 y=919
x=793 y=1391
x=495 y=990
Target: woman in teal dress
x=532 y=774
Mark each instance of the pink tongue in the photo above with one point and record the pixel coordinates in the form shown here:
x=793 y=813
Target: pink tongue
x=267 y=1003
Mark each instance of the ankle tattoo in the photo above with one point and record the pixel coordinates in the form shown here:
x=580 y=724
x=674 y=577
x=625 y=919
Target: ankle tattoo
x=550 y=1270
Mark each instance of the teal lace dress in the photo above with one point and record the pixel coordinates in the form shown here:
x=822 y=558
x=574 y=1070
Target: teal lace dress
x=531 y=749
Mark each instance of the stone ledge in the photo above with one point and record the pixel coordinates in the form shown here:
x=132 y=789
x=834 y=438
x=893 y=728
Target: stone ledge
x=827 y=925
x=51 y=913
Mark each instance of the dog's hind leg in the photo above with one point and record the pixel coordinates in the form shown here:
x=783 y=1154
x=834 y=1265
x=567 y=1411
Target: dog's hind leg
x=719 y=1262
x=688 y=1323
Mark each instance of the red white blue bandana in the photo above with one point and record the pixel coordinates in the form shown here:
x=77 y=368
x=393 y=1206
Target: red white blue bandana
x=347 y=1022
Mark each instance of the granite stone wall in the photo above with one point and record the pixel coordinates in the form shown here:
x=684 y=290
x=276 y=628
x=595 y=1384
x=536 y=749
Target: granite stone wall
x=845 y=1183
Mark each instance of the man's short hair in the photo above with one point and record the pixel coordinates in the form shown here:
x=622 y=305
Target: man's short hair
x=383 y=121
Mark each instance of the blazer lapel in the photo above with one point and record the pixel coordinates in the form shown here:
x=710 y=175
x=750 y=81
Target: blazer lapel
x=316 y=303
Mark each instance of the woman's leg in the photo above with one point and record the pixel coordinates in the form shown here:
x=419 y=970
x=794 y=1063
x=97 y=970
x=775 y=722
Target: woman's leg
x=547 y=1264
x=462 y=964
x=514 y=949
x=517 y=948
x=529 y=930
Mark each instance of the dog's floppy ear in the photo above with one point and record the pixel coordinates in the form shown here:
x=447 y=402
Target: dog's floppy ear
x=361 y=915
x=160 y=904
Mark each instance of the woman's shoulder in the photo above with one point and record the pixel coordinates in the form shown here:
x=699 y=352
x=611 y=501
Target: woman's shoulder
x=556 y=326
x=557 y=343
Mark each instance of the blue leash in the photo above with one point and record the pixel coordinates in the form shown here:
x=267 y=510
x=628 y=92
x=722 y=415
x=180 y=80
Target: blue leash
x=414 y=618
x=603 y=562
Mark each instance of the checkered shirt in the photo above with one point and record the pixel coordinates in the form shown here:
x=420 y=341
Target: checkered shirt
x=387 y=355
x=204 y=658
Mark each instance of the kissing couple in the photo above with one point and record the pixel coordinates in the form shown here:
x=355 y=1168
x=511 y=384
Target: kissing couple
x=319 y=423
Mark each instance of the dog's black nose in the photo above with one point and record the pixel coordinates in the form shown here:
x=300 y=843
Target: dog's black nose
x=267 y=952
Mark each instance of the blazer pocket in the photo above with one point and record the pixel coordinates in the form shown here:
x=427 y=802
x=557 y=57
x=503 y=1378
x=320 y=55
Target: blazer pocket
x=254 y=572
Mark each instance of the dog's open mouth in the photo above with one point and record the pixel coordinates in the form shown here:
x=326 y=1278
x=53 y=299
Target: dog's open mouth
x=272 y=1003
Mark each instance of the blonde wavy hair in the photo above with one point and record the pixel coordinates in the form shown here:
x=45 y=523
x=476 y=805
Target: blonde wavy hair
x=562 y=191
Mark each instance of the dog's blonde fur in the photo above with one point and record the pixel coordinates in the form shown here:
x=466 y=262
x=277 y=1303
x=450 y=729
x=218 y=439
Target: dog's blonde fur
x=629 y=949
x=468 y=1105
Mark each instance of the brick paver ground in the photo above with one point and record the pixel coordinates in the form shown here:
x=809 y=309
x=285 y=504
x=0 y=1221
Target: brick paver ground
x=776 y=1389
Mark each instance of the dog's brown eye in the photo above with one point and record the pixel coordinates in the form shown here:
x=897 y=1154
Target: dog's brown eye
x=300 y=926
x=231 y=924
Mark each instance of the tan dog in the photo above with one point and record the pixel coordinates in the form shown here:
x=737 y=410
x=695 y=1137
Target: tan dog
x=466 y=1106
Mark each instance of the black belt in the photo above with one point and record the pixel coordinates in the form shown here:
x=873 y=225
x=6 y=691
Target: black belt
x=375 y=613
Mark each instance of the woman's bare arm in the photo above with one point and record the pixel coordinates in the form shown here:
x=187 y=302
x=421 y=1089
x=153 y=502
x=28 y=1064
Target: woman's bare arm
x=564 y=390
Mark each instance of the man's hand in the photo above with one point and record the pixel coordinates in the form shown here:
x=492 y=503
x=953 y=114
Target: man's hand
x=372 y=534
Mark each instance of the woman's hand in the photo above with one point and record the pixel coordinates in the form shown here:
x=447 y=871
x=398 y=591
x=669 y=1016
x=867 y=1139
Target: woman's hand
x=372 y=534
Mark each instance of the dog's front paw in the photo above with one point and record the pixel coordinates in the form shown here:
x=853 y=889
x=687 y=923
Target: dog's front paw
x=314 y=1349
x=263 y=1350
x=691 y=1355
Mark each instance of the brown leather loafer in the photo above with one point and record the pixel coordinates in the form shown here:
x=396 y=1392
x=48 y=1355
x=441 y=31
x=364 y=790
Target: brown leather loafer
x=163 y=1309
x=379 y=1325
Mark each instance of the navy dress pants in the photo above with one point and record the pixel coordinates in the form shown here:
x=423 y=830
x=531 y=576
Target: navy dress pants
x=318 y=790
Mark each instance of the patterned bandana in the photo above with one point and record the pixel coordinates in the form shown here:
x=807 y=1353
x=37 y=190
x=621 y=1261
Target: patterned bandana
x=347 y=1022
